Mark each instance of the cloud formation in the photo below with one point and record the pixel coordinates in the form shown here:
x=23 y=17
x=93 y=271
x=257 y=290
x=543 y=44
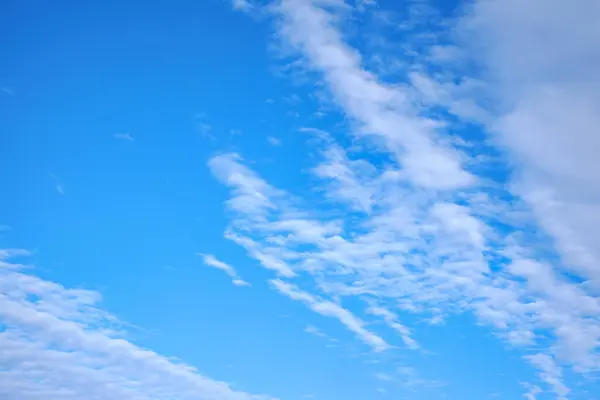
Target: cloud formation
x=427 y=223
x=547 y=72
x=57 y=343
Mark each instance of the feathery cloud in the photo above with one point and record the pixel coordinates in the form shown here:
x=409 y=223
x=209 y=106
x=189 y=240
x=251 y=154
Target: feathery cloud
x=429 y=233
x=330 y=309
x=212 y=261
x=57 y=343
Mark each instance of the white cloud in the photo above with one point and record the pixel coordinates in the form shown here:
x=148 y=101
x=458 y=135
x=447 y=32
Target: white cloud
x=381 y=110
x=392 y=321
x=252 y=194
x=433 y=237
x=532 y=391
x=124 y=136
x=427 y=257
x=212 y=261
x=550 y=373
x=546 y=74
x=58 y=344
x=344 y=175
x=330 y=309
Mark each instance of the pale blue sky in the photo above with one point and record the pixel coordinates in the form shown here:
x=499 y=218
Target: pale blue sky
x=299 y=199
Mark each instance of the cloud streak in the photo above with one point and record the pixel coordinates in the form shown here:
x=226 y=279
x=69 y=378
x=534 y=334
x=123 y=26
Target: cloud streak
x=330 y=309
x=213 y=262
x=378 y=109
x=57 y=343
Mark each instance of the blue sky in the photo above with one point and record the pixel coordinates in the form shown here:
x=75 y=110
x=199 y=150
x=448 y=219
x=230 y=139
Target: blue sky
x=299 y=200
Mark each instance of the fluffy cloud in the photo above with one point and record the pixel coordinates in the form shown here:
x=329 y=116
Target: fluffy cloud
x=546 y=70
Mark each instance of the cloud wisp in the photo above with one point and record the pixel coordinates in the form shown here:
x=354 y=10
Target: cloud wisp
x=333 y=310
x=213 y=262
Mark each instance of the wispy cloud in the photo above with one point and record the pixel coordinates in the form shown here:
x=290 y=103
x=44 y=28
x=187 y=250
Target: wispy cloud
x=392 y=321
x=379 y=109
x=532 y=391
x=313 y=330
x=550 y=373
x=375 y=259
x=57 y=343
x=330 y=309
x=419 y=227
x=123 y=136
x=212 y=261
x=273 y=141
